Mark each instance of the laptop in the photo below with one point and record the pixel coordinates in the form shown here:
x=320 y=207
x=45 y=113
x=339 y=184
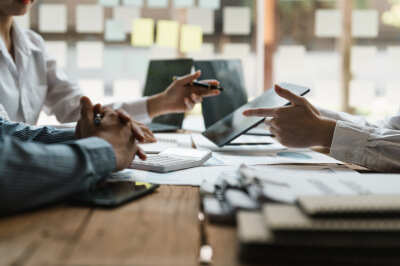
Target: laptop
x=159 y=77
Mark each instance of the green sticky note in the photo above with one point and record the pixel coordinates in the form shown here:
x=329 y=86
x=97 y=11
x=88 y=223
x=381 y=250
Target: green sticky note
x=108 y=2
x=136 y=3
x=114 y=30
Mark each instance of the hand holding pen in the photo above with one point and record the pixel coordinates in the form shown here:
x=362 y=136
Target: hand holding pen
x=202 y=84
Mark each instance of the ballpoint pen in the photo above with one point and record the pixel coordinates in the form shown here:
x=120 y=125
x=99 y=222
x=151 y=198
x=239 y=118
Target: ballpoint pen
x=202 y=84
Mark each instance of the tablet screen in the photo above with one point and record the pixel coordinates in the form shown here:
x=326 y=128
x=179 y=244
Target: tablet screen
x=235 y=124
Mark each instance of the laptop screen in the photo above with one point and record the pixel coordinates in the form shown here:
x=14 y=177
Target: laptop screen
x=159 y=77
x=230 y=74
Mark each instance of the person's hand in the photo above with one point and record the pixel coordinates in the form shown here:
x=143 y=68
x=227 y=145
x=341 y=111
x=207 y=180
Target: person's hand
x=179 y=97
x=137 y=127
x=112 y=129
x=299 y=125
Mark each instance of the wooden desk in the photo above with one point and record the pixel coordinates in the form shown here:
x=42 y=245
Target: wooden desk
x=159 y=229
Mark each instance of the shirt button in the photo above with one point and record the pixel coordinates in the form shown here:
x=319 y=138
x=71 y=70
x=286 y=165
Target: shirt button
x=349 y=156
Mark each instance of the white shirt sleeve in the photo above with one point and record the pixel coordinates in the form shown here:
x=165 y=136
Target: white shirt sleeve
x=63 y=97
x=375 y=145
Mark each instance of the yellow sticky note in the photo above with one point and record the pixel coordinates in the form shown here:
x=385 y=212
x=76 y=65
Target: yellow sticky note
x=167 y=33
x=143 y=32
x=191 y=38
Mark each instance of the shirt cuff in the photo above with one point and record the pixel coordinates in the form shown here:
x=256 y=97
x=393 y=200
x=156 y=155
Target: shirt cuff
x=101 y=155
x=349 y=142
x=138 y=110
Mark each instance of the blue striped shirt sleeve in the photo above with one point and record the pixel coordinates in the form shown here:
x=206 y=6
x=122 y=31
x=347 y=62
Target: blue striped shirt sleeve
x=33 y=174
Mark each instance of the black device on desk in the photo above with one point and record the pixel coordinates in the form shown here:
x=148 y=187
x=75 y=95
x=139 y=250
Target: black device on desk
x=235 y=124
x=159 y=77
x=113 y=194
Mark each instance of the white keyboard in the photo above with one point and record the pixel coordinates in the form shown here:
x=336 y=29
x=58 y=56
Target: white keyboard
x=172 y=159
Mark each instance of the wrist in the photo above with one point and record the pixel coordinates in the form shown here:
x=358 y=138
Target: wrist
x=328 y=129
x=157 y=105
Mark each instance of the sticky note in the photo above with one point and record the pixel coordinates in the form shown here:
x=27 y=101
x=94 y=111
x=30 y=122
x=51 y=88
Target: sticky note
x=237 y=20
x=392 y=94
x=328 y=23
x=167 y=33
x=157 y=3
x=236 y=50
x=89 y=19
x=90 y=55
x=327 y=93
x=365 y=24
x=393 y=58
x=212 y=4
x=157 y=52
x=191 y=38
x=58 y=50
x=183 y=3
x=135 y=3
x=114 y=59
x=94 y=89
x=126 y=90
x=114 y=30
x=23 y=21
x=138 y=61
x=143 y=32
x=128 y=15
x=292 y=57
x=362 y=93
x=201 y=17
x=109 y=3
x=53 y=18
x=363 y=59
x=207 y=52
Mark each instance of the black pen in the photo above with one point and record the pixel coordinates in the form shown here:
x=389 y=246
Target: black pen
x=97 y=119
x=202 y=84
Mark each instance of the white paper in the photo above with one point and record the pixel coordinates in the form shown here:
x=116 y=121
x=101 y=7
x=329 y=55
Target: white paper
x=237 y=51
x=157 y=52
x=289 y=156
x=201 y=17
x=213 y=4
x=253 y=139
x=53 y=18
x=136 y=3
x=363 y=59
x=128 y=15
x=157 y=3
x=168 y=140
x=109 y=3
x=202 y=142
x=58 y=49
x=327 y=93
x=191 y=176
x=89 y=54
x=328 y=23
x=393 y=58
x=362 y=93
x=393 y=93
x=114 y=59
x=94 y=89
x=365 y=24
x=114 y=30
x=237 y=20
x=183 y=3
x=292 y=57
x=125 y=90
x=207 y=52
x=89 y=19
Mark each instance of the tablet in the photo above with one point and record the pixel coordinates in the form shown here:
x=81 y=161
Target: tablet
x=112 y=194
x=235 y=124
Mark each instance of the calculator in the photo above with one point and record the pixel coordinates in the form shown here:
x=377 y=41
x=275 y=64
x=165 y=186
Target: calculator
x=172 y=159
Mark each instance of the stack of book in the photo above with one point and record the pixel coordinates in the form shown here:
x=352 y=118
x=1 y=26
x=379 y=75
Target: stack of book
x=323 y=230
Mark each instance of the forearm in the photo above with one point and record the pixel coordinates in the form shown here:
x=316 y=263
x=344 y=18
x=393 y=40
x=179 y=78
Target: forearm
x=374 y=148
x=34 y=174
x=138 y=109
x=25 y=132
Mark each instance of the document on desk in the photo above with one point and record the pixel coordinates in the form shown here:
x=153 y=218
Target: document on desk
x=167 y=140
x=202 y=142
x=287 y=184
x=191 y=176
x=288 y=156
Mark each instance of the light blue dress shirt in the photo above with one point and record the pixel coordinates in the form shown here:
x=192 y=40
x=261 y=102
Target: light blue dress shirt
x=39 y=165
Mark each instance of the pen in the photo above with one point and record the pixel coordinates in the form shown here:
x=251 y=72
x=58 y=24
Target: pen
x=97 y=119
x=202 y=84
